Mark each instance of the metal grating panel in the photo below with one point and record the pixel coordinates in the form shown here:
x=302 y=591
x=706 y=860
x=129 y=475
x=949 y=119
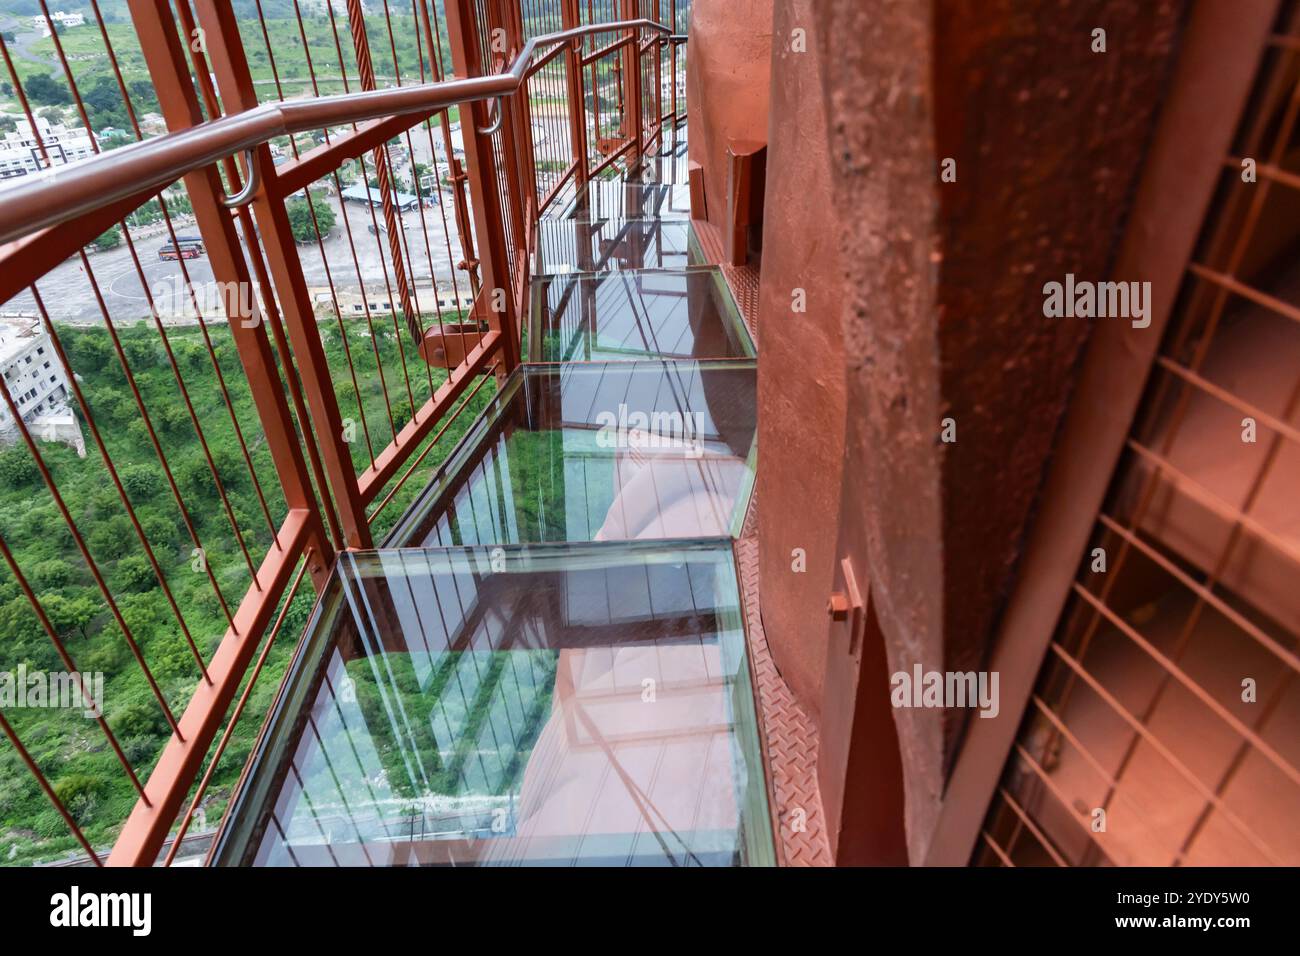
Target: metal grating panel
x=1165 y=725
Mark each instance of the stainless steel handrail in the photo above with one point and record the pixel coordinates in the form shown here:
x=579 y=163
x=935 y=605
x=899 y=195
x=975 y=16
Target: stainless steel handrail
x=63 y=193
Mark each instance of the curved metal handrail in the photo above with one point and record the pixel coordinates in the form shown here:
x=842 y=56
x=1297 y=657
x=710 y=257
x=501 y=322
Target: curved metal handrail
x=250 y=183
x=63 y=193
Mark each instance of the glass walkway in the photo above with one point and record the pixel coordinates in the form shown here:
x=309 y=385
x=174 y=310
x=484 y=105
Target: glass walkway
x=546 y=664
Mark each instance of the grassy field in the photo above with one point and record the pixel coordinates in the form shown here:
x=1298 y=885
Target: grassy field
x=69 y=747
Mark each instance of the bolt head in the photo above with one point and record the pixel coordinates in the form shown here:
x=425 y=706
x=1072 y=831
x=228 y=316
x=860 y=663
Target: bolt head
x=838 y=606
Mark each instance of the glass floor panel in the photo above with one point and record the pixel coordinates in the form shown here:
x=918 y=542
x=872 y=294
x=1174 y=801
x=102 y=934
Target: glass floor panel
x=547 y=705
x=570 y=245
x=672 y=169
x=616 y=199
x=607 y=316
x=624 y=450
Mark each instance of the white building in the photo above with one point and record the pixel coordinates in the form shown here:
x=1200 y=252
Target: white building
x=33 y=375
x=62 y=19
x=20 y=153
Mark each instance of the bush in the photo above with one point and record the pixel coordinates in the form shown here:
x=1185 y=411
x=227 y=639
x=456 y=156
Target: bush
x=111 y=537
x=140 y=718
x=110 y=239
x=141 y=481
x=80 y=792
x=18 y=468
x=136 y=574
x=53 y=573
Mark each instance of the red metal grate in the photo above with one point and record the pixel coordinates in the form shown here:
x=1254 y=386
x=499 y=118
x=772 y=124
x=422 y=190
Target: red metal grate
x=1165 y=725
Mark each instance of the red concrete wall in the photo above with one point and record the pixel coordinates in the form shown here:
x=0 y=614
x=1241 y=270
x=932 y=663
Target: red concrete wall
x=944 y=304
x=924 y=301
x=801 y=371
x=726 y=86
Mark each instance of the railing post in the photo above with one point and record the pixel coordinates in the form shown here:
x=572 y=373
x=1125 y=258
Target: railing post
x=573 y=71
x=384 y=176
x=631 y=56
x=489 y=219
x=226 y=56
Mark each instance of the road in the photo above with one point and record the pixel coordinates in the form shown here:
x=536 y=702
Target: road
x=69 y=298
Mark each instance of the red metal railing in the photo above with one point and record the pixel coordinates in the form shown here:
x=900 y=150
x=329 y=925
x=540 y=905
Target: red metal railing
x=288 y=399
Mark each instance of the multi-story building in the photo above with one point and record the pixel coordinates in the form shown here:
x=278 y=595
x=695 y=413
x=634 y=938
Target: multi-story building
x=61 y=18
x=23 y=151
x=35 y=380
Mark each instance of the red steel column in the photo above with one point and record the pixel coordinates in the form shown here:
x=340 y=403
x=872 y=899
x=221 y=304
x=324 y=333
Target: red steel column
x=179 y=104
x=392 y=219
x=226 y=56
x=632 y=119
x=577 y=100
x=499 y=305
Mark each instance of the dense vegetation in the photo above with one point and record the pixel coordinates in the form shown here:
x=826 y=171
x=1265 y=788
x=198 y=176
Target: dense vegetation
x=69 y=747
x=288 y=56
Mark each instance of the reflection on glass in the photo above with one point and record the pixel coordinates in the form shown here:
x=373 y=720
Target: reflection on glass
x=615 y=199
x=660 y=167
x=549 y=705
x=568 y=245
x=619 y=451
x=688 y=313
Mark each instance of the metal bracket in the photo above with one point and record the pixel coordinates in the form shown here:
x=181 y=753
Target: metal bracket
x=848 y=605
x=250 y=183
x=495 y=125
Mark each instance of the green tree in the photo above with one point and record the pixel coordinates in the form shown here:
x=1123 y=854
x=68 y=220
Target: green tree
x=54 y=573
x=17 y=467
x=110 y=239
x=45 y=91
x=300 y=219
x=141 y=481
x=69 y=615
x=134 y=573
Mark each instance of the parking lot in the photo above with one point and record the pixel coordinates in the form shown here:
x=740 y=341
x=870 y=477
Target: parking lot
x=69 y=297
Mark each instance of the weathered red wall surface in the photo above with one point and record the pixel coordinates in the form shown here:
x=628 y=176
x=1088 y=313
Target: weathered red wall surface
x=726 y=85
x=924 y=302
x=944 y=311
x=801 y=373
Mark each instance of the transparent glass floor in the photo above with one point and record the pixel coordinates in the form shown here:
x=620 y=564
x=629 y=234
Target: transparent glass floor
x=672 y=168
x=607 y=316
x=571 y=245
x=624 y=450
x=616 y=199
x=542 y=705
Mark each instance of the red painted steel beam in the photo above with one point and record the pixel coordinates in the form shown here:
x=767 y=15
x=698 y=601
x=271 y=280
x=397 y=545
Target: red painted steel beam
x=573 y=74
x=146 y=829
x=166 y=61
x=489 y=225
x=388 y=461
x=227 y=60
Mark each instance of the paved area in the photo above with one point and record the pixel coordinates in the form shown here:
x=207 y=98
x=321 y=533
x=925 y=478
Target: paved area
x=69 y=297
